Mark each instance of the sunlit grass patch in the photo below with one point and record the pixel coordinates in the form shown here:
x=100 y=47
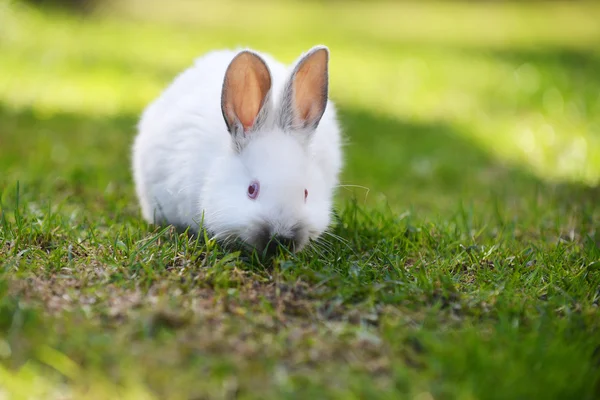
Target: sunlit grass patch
x=47 y=381
x=394 y=306
x=395 y=301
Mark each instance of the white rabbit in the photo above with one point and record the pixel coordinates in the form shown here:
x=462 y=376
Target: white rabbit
x=244 y=147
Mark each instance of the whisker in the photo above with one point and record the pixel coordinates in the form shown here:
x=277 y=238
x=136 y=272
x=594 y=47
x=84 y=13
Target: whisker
x=337 y=237
x=314 y=246
x=368 y=190
x=324 y=247
x=185 y=187
x=343 y=241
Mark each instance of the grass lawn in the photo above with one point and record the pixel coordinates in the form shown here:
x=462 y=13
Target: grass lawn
x=465 y=262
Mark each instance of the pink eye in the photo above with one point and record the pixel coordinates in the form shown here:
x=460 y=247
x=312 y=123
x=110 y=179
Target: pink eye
x=253 y=190
x=305 y=194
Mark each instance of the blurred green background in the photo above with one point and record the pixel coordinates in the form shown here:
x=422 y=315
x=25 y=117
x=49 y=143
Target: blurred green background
x=475 y=124
x=441 y=101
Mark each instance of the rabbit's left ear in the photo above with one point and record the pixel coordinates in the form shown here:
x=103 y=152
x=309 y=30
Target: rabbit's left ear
x=305 y=94
x=245 y=94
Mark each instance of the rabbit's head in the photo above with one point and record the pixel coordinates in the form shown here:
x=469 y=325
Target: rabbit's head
x=268 y=189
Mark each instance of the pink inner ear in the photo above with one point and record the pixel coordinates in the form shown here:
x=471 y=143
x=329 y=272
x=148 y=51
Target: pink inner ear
x=247 y=84
x=247 y=127
x=249 y=100
x=310 y=87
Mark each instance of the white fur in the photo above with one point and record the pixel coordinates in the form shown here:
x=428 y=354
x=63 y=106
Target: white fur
x=187 y=172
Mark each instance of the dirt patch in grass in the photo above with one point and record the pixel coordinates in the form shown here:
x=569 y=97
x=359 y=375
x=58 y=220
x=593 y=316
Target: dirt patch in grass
x=283 y=302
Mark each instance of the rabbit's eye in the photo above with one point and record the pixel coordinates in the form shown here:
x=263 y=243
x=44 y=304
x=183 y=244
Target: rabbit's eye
x=305 y=194
x=253 y=190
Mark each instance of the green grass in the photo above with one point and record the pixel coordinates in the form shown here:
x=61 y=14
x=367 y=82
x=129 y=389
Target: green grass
x=468 y=258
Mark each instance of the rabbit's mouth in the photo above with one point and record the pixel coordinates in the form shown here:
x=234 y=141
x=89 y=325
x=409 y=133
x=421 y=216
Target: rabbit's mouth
x=269 y=240
x=267 y=247
x=279 y=242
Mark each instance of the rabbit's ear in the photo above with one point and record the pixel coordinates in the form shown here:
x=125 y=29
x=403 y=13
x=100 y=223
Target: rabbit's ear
x=245 y=94
x=305 y=94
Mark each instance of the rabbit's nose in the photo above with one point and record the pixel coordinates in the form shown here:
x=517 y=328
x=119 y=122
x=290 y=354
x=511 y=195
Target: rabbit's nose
x=276 y=241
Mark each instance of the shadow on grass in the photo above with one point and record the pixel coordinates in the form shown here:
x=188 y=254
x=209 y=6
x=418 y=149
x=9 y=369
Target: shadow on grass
x=431 y=168
x=434 y=166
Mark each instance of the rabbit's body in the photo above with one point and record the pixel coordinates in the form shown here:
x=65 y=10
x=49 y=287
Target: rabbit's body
x=192 y=166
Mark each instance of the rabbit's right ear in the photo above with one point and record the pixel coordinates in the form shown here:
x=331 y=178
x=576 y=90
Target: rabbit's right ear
x=245 y=95
x=305 y=94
